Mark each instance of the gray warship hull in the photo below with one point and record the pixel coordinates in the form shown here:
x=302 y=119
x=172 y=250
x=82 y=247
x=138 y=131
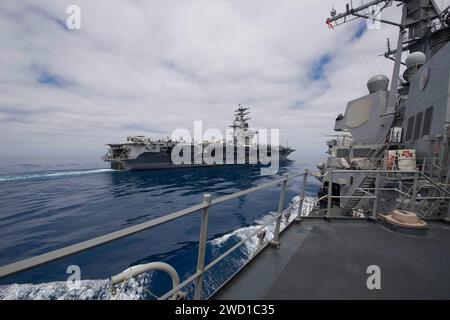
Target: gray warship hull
x=156 y=161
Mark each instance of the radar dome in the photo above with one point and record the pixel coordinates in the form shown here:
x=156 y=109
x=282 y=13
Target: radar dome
x=414 y=59
x=378 y=83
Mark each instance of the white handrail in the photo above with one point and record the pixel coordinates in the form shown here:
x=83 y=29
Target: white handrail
x=143 y=268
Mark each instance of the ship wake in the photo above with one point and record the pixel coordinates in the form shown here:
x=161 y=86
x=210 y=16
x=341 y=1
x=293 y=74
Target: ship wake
x=50 y=175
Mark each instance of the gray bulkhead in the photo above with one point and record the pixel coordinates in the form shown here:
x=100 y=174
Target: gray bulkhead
x=428 y=106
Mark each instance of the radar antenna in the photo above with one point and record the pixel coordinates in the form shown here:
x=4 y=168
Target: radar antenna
x=240 y=118
x=369 y=11
x=416 y=18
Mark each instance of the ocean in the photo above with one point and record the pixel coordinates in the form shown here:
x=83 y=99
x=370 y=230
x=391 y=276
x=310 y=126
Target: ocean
x=50 y=204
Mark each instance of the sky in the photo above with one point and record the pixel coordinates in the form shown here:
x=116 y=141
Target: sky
x=148 y=67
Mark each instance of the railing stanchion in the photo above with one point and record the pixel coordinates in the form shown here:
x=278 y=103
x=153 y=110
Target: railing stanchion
x=276 y=237
x=414 y=195
x=432 y=167
x=202 y=248
x=375 y=201
x=302 y=197
x=330 y=192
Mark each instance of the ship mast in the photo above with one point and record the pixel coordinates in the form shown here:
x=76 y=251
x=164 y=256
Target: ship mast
x=240 y=119
x=415 y=22
x=241 y=131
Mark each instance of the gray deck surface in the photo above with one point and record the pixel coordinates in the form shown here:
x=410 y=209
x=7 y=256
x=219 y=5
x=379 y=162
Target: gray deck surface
x=328 y=260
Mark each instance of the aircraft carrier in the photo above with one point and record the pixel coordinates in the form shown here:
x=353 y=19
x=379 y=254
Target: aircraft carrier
x=141 y=153
x=379 y=226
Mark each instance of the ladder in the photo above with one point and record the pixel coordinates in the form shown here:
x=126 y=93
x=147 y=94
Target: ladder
x=368 y=182
x=377 y=154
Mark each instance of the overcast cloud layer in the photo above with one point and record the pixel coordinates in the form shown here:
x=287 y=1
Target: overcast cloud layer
x=149 y=67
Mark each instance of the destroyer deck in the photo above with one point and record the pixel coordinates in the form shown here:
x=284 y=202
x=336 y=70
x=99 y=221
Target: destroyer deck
x=328 y=260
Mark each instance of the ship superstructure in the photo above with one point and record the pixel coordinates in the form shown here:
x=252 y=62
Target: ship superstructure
x=401 y=125
x=141 y=153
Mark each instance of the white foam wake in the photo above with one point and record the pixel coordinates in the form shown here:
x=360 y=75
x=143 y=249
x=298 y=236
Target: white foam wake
x=251 y=245
x=132 y=289
x=53 y=174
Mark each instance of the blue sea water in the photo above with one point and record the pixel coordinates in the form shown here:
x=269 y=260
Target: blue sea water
x=49 y=204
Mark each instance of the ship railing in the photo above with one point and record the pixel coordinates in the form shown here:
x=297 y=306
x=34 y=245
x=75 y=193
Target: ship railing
x=433 y=168
x=204 y=207
x=429 y=166
x=372 y=193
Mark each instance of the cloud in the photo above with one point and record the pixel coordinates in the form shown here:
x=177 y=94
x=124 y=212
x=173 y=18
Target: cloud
x=317 y=71
x=150 y=67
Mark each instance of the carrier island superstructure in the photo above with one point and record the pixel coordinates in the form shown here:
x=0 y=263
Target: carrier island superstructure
x=141 y=153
